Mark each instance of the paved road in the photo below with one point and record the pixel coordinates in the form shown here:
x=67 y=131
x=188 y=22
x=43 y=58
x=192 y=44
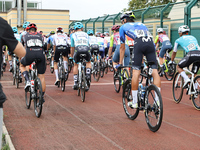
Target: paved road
x=97 y=124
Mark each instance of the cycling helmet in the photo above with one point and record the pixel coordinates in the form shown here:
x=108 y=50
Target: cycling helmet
x=26 y=24
x=41 y=32
x=127 y=15
x=159 y=30
x=98 y=34
x=78 y=25
x=15 y=30
x=52 y=32
x=59 y=29
x=71 y=29
x=115 y=27
x=90 y=32
x=102 y=35
x=106 y=33
x=31 y=25
x=183 y=28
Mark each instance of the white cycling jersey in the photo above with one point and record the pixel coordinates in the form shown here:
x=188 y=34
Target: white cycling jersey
x=79 y=38
x=93 y=40
x=60 y=39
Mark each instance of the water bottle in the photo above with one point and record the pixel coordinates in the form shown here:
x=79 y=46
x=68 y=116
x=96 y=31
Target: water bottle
x=32 y=85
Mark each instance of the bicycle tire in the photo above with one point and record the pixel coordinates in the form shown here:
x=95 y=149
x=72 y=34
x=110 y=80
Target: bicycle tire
x=152 y=109
x=171 y=71
x=38 y=99
x=101 y=69
x=126 y=97
x=78 y=91
x=177 y=85
x=63 y=79
x=51 y=69
x=28 y=99
x=117 y=83
x=125 y=75
x=17 y=77
x=106 y=69
x=196 y=99
x=96 y=73
x=83 y=85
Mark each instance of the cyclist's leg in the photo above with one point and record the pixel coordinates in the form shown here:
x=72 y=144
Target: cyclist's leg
x=88 y=66
x=116 y=56
x=10 y=61
x=65 y=60
x=56 y=59
x=75 y=69
x=161 y=59
x=127 y=57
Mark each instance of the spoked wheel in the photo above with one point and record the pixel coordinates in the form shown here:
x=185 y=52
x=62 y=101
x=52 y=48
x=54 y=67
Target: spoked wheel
x=51 y=68
x=127 y=97
x=125 y=75
x=38 y=97
x=70 y=65
x=106 y=68
x=17 y=78
x=83 y=85
x=28 y=99
x=96 y=73
x=101 y=69
x=116 y=82
x=154 y=108
x=63 y=79
x=196 y=96
x=177 y=87
x=171 y=71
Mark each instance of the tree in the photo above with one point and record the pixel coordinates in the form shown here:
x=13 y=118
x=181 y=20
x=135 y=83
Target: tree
x=139 y=4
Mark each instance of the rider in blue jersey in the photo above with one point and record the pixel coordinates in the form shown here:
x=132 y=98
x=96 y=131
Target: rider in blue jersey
x=143 y=45
x=50 y=44
x=191 y=47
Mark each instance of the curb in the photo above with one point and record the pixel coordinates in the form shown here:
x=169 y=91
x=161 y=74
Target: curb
x=7 y=138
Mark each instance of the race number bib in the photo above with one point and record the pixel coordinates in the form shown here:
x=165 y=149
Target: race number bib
x=139 y=33
x=191 y=47
x=81 y=42
x=34 y=42
x=61 y=42
x=165 y=38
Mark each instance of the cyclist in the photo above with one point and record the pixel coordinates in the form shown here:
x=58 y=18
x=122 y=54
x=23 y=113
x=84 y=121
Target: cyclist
x=166 y=44
x=34 y=50
x=60 y=45
x=80 y=45
x=24 y=32
x=191 y=47
x=106 y=40
x=100 y=40
x=50 y=44
x=143 y=45
x=115 y=40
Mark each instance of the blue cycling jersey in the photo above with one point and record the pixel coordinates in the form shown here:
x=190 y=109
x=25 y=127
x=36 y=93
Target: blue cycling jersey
x=187 y=42
x=50 y=39
x=133 y=30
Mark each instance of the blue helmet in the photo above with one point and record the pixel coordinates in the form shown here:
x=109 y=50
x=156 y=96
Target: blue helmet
x=78 y=25
x=90 y=32
x=26 y=24
x=15 y=30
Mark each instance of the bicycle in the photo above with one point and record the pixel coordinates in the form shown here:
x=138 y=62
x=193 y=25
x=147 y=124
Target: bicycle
x=192 y=88
x=61 y=73
x=51 y=58
x=70 y=64
x=170 y=69
x=48 y=57
x=35 y=91
x=15 y=71
x=96 y=67
x=153 y=109
x=120 y=76
x=82 y=77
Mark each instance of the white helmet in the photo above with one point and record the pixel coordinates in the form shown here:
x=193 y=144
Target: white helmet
x=183 y=28
x=160 y=30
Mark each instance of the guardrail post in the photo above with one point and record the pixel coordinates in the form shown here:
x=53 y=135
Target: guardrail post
x=86 y=24
x=144 y=13
x=103 y=22
x=115 y=18
x=94 y=24
x=161 y=14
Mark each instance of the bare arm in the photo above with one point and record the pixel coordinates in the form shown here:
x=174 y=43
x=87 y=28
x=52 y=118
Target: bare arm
x=72 y=51
x=173 y=56
x=110 y=51
x=122 y=51
x=20 y=50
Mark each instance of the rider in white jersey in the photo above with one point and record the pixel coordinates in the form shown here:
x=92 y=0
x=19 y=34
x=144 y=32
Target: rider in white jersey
x=60 y=45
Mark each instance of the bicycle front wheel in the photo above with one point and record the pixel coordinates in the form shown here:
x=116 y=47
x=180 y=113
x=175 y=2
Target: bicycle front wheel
x=83 y=85
x=125 y=75
x=96 y=73
x=177 y=87
x=127 y=97
x=196 y=96
x=153 y=108
x=116 y=82
x=38 y=98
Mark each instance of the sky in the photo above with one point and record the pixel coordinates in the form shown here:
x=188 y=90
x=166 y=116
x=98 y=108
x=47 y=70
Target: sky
x=85 y=9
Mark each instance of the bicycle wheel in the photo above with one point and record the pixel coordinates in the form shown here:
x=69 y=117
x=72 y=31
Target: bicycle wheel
x=171 y=71
x=125 y=75
x=177 y=87
x=83 y=85
x=51 y=68
x=17 y=77
x=153 y=108
x=38 y=98
x=126 y=97
x=96 y=73
x=78 y=91
x=196 y=97
x=62 y=78
x=28 y=99
x=116 y=78
x=106 y=68
x=101 y=69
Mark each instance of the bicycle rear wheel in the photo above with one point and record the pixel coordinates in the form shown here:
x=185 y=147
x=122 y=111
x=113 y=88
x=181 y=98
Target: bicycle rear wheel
x=125 y=75
x=177 y=87
x=51 y=68
x=196 y=96
x=101 y=69
x=83 y=85
x=28 y=99
x=17 y=77
x=96 y=73
x=171 y=71
x=127 y=97
x=38 y=99
x=62 y=79
x=116 y=81
x=154 y=108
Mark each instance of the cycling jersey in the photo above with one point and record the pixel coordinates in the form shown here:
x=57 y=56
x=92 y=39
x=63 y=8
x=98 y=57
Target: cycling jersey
x=100 y=43
x=22 y=35
x=161 y=38
x=94 y=46
x=130 y=41
x=93 y=40
x=17 y=36
x=50 y=40
x=106 y=40
x=187 y=42
x=115 y=39
x=133 y=30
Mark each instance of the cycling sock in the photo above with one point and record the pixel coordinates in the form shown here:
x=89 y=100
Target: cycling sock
x=183 y=74
x=156 y=96
x=134 y=95
x=75 y=78
x=56 y=73
x=25 y=74
x=10 y=62
x=65 y=65
x=52 y=63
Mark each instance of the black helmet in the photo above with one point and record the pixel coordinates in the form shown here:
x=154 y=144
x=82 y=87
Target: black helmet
x=127 y=15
